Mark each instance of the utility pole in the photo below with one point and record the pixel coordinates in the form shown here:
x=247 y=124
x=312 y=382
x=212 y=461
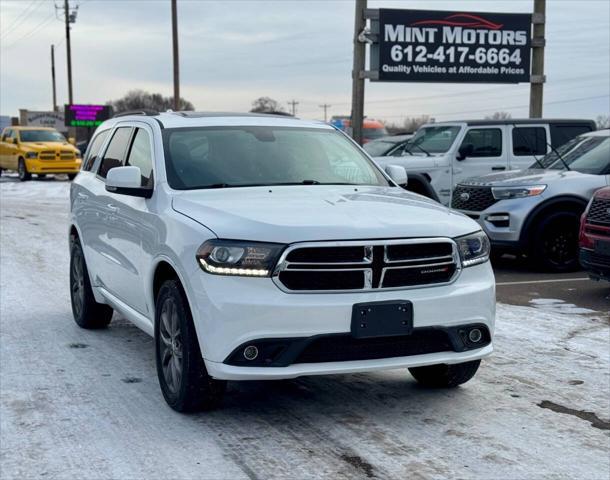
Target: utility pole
x=175 y=52
x=293 y=104
x=537 y=75
x=53 y=77
x=358 y=67
x=69 y=19
x=325 y=106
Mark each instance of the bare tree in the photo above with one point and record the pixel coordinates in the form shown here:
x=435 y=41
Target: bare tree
x=139 y=99
x=602 y=121
x=266 y=105
x=409 y=125
x=498 y=116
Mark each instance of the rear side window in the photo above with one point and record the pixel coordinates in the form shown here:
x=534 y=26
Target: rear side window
x=94 y=150
x=561 y=134
x=140 y=155
x=486 y=142
x=529 y=141
x=115 y=153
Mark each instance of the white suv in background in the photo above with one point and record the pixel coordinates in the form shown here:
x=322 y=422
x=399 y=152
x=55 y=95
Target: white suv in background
x=463 y=149
x=263 y=247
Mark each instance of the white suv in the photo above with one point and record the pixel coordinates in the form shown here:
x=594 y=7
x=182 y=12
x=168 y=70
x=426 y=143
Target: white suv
x=264 y=247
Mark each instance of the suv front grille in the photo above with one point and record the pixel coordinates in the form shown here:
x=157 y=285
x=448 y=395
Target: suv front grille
x=599 y=213
x=472 y=199
x=350 y=266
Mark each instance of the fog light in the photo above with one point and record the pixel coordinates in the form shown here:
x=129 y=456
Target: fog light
x=475 y=335
x=250 y=352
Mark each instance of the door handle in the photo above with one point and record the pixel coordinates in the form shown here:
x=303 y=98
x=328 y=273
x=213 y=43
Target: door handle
x=83 y=196
x=112 y=208
x=498 y=168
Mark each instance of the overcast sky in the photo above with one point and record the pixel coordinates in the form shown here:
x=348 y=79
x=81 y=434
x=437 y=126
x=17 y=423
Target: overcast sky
x=232 y=52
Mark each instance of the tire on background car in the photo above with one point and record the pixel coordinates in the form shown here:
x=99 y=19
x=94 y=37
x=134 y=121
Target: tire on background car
x=22 y=170
x=183 y=378
x=554 y=244
x=445 y=376
x=71 y=176
x=86 y=311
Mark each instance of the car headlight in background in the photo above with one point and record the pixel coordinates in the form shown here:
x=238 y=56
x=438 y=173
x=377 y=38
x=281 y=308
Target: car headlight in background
x=233 y=257
x=31 y=154
x=77 y=154
x=504 y=193
x=473 y=248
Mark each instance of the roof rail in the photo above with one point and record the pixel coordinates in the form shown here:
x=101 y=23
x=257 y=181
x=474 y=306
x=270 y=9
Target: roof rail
x=146 y=112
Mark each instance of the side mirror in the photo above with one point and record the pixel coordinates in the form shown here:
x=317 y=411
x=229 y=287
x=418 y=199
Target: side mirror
x=72 y=140
x=465 y=151
x=398 y=174
x=127 y=181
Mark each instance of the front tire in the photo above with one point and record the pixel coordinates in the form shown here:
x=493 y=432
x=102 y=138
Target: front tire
x=183 y=378
x=555 y=242
x=445 y=376
x=22 y=170
x=86 y=311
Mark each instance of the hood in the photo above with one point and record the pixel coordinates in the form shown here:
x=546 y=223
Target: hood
x=531 y=176
x=48 y=145
x=288 y=214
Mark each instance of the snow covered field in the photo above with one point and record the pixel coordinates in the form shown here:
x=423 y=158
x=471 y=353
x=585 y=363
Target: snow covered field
x=76 y=403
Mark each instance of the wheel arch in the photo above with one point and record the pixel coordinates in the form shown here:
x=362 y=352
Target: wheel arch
x=422 y=184
x=563 y=202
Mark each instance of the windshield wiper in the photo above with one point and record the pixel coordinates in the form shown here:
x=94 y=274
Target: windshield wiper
x=302 y=182
x=418 y=146
x=554 y=150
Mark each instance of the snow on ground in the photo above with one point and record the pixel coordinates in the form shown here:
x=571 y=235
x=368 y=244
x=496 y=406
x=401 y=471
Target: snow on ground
x=77 y=403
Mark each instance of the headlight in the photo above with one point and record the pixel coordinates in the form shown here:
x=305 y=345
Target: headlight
x=232 y=257
x=31 y=154
x=504 y=193
x=474 y=248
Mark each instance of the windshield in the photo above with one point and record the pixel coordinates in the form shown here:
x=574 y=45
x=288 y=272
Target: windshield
x=433 y=139
x=376 y=148
x=374 y=132
x=581 y=154
x=41 y=136
x=216 y=157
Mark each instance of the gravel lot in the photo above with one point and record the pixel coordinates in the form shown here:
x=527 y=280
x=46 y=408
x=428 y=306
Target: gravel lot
x=75 y=403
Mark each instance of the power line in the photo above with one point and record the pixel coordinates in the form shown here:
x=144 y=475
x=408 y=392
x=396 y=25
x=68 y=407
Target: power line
x=29 y=34
x=514 y=107
x=22 y=17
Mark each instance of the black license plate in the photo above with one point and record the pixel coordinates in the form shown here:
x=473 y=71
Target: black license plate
x=382 y=319
x=602 y=247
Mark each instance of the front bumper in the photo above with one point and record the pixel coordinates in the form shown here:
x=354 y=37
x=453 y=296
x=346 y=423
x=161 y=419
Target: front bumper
x=35 y=165
x=231 y=311
x=597 y=265
x=503 y=222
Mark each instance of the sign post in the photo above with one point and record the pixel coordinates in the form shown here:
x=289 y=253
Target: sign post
x=357 y=115
x=538 y=43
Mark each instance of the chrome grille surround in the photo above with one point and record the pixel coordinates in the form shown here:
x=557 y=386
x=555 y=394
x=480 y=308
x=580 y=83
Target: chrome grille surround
x=366 y=265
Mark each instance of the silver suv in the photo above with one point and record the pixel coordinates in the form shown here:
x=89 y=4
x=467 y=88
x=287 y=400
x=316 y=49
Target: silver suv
x=536 y=211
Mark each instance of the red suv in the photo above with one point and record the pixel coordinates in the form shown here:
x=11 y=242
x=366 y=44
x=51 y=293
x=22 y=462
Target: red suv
x=595 y=236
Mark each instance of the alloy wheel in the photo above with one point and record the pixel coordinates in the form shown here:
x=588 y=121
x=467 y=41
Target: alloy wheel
x=78 y=284
x=171 y=345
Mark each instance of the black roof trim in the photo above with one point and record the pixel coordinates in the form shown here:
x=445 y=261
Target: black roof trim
x=148 y=113
x=531 y=121
x=191 y=114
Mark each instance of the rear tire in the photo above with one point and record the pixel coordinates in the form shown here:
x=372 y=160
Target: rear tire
x=555 y=242
x=445 y=376
x=86 y=311
x=183 y=378
x=22 y=170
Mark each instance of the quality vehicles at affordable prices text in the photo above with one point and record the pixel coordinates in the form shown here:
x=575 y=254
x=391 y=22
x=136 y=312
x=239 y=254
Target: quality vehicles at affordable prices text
x=37 y=150
x=440 y=152
x=537 y=211
x=265 y=247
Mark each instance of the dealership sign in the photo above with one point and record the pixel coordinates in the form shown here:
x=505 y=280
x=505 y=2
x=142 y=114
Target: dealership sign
x=438 y=46
x=86 y=115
